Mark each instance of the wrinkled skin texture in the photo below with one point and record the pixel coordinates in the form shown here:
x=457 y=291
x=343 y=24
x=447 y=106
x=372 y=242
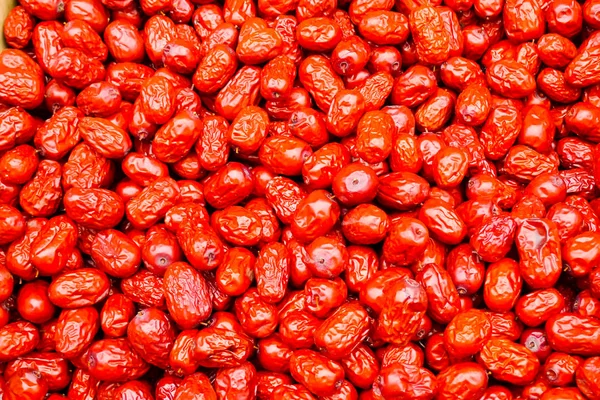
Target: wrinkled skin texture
x=522 y=367
x=41 y=196
x=466 y=334
x=106 y=207
x=300 y=199
x=305 y=365
x=217 y=347
x=79 y=288
x=403 y=308
x=545 y=254
x=462 y=381
x=151 y=334
x=115 y=253
x=573 y=334
x=116 y=313
x=76 y=330
x=22 y=80
x=114 y=360
x=343 y=331
x=152 y=203
x=406 y=380
x=431 y=39
x=187 y=295
x=59 y=134
x=18 y=338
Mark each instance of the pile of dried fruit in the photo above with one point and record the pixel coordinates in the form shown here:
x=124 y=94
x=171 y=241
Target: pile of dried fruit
x=300 y=199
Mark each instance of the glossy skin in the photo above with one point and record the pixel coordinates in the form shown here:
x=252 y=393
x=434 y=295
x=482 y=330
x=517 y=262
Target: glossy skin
x=79 y=288
x=18 y=164
x=345 y=112
x=238 y=226
x=26 y=383
x=19 y=126
x=76 y=68
x=236 y=381
x=431 y=39
x=532 y=261
x=443 y=300
x=300 y=199
x=116 y=313
x=250 y=304
x=572 y=342
x=130 y=366
x=151 y=335
x=568 y=26
x=75 y=330
x=53 y=245
x=52 y=367
x=59 y=134
x=472 y=373
x=322 y=166
x=442 y=222
x=436 y=111
x=111 y=244
x=305 y=364
x=187 y=295
x=25 y=88
x=257 y=48
x=106 y=206
x=18 y=258
x=502 y=228
x=406 y=241
x=26 y=335
x=402 y=190
x=322 y=295
x=124 y=42
x=583 y=374
x=402 y=310
x=228 y=185
x=520 y=370
x=580 y=72
x=273 y=354
x=86 y=169
x=377 y=87
x=536 y=307
x=465 y=269
x=231 y=349
x=384 y=27
x=407 y=380
x=41 y=196
x=318 y=34
x=18 y=27
x=81 y=35
x=351 y=321
x=583 y=243
x=235 y=274
x=272 y=272
x=284 y=156
x=152 y=203
x=466 y=334
x=160 y=250
x=13 y=224
x=214 y=131
x=240 y=92
x=296 y=330
x=355 y=184
x=502 y=285
x=316 y=74
x=33 y=303
x=350 y=55
x=365 y=224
